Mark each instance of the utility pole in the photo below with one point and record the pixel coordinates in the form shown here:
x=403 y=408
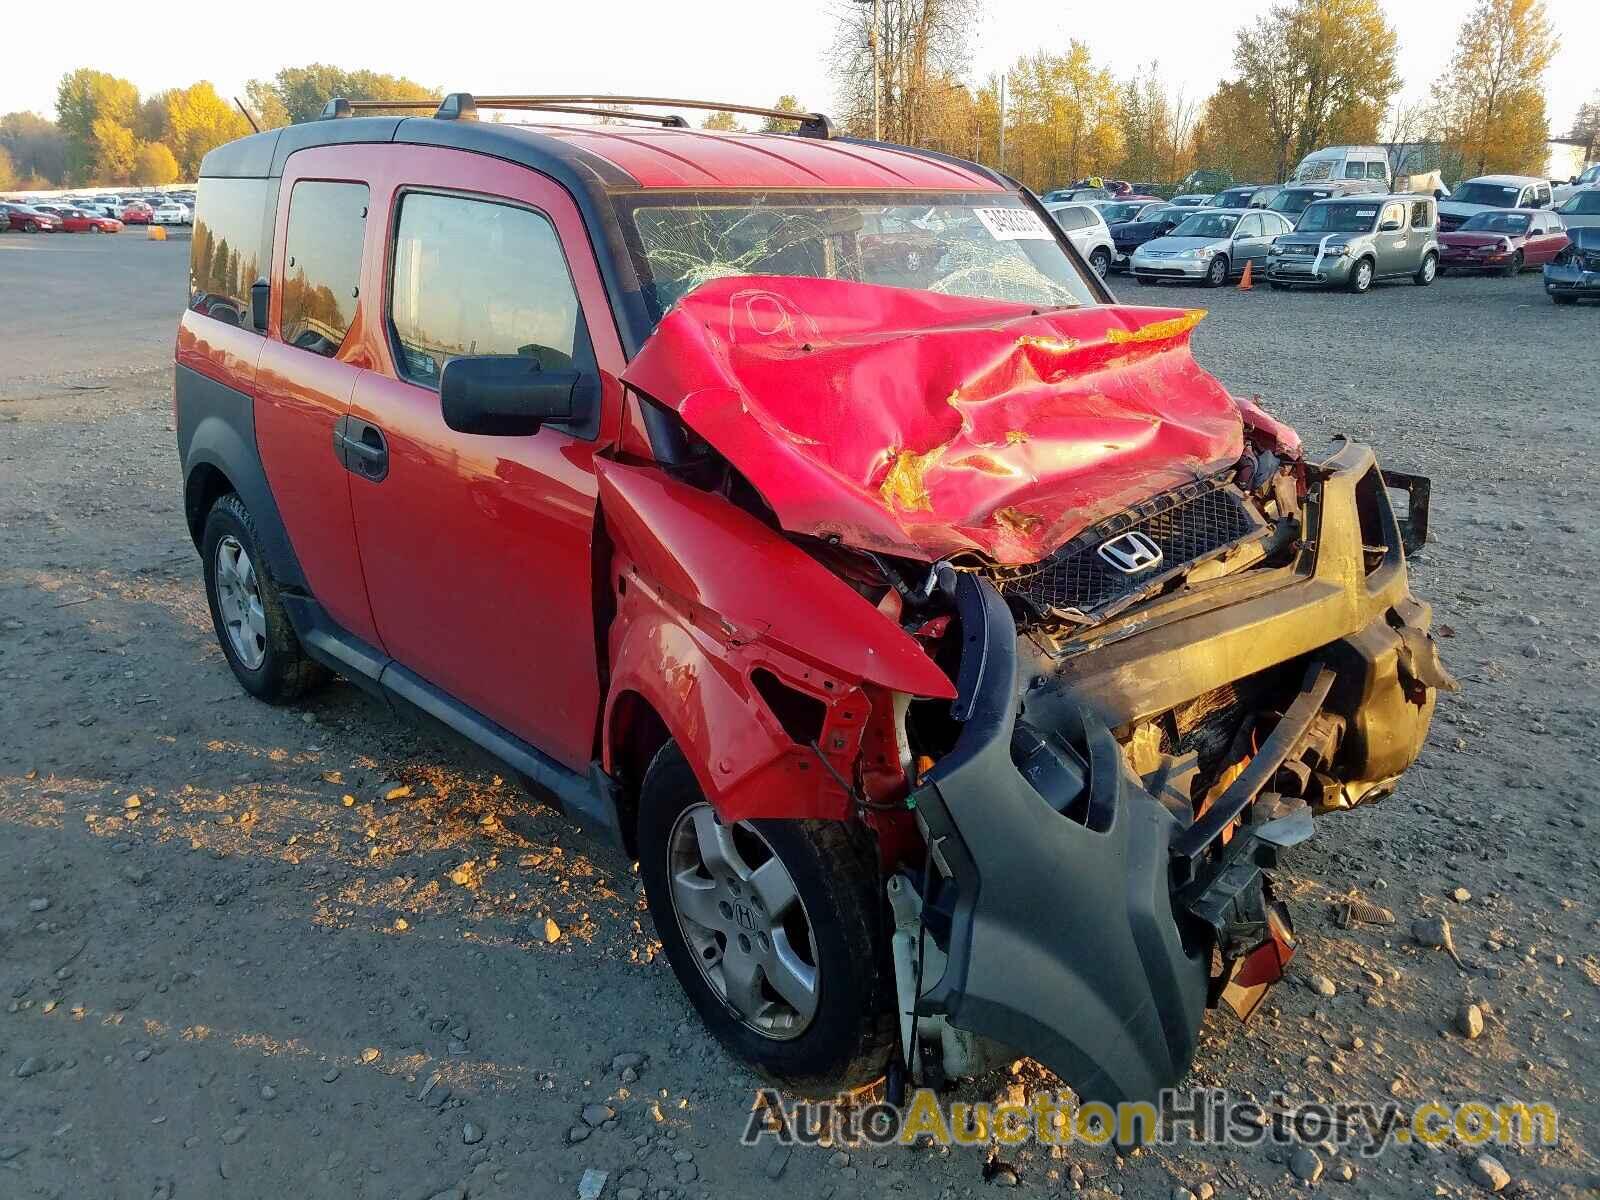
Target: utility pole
x=1002 y=121
x=877 y=86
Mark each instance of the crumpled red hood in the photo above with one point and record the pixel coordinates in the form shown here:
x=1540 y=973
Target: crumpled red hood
x=923 y=424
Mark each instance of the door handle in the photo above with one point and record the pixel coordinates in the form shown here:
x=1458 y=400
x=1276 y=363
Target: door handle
x=362 y=448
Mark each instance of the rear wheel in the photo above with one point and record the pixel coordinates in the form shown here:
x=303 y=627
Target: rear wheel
x=1217 y=272
x=252 y=626
x=1426 y=272
x=774 y=930
x=1361 y=277
x=1100 y=260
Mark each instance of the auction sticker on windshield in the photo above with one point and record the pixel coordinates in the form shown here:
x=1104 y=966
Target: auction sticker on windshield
x=1012 y=224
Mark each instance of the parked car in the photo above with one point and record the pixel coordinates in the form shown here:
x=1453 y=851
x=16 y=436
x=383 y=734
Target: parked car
x=1209 y=246
x=1075 y=195
x=1116 y=212
x=1352 y=242
x=79 y=220
x=137 y=212
x=1087 y=230
x=1491 y=192
x=170 y=213
x=1192 y=199
x=28 y=219
x=689 y=568
x=1246 y=195
x=1128 y=236
x=1560 y=193
x=1574 y=273
x=1502 y=240
x=1581 y=208
x=1291 y=201
x=1370 y=163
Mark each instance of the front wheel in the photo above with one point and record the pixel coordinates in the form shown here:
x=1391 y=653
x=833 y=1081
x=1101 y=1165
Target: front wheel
x=1361 y=277
x=1558 y=299
x=1514 y=267
x=1100 y=260
x=252 y=625
x=774 y=929
x=30 y=226
x=1426 y=272
x=1217 y=272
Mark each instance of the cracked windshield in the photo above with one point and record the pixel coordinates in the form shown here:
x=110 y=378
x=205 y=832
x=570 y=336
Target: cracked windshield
x=976 y=246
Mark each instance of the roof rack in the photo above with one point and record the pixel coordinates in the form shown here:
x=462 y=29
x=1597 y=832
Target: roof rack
x=463 y=106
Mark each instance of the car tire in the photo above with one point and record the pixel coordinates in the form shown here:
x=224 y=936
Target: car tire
x=247 y=612
x=1514 y=267
x=1361 y=276
x=1277 y=287
x=831 y=931
x=1100 y=260
x=1427 y=272
x=30 y=227
x=1146 y=281
x=1555 y=299
x=1217 y=272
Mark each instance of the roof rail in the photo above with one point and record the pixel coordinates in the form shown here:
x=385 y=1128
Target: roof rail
x=463 y=106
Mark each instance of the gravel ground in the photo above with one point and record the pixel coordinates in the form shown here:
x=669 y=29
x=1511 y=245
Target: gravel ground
x=331 y=952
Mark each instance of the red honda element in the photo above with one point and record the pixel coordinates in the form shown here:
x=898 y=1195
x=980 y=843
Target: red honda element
x=956 y=656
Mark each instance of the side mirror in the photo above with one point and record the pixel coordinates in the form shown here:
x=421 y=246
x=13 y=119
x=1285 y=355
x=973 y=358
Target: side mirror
x=508 y=395
x=1389 y=227
x=260 y=292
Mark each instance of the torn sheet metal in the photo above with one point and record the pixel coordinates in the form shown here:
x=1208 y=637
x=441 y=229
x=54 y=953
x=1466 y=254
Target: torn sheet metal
x=925 y=424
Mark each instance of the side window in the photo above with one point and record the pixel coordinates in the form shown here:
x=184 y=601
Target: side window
x=1395 y=213
x=1377 y=170
x=1419 y=215
x=480 y=277
x=1355 y=170
x=1249 y=226
x=322 y=263
x=231 y=246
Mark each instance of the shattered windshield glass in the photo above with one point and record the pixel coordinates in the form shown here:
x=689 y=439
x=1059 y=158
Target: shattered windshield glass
x=982 y=246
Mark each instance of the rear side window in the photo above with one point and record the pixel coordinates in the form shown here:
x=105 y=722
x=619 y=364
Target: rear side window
x=1420 y=217
x=231 y=246
x=1377 y=170
x=1355 y=170
x=480 y=277
x=322 y=263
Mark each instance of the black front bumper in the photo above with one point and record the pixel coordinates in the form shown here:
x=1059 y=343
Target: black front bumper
x=1081 y=911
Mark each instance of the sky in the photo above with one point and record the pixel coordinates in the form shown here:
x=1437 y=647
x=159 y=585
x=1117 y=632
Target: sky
x=714 y=49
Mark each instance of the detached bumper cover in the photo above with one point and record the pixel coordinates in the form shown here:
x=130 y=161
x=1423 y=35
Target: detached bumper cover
x=1082 y=911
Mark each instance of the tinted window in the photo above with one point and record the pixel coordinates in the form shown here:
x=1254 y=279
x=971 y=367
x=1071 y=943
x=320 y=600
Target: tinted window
x=478 y=277
x=231 y=247
x=322 y=263
x=1582 y=204
x=1071 y=218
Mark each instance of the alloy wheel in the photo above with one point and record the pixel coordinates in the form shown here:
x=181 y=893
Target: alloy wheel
x=239 y=600
x=744 y=922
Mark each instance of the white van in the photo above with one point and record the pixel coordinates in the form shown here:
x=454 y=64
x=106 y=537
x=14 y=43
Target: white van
x=1344 y=162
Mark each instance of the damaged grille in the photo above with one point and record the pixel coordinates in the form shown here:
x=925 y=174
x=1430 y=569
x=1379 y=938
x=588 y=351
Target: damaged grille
x=1190 y=524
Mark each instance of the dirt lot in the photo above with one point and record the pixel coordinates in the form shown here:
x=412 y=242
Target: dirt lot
x=328 y=952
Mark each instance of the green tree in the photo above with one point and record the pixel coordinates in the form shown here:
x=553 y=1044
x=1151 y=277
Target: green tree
x=723 y=121
x=784 y=103
x=37 y=146
x=1490 y=101
x=197 y=121
x=299 y=93
x=84 y=98
x=154 y=165
x=1318 y=72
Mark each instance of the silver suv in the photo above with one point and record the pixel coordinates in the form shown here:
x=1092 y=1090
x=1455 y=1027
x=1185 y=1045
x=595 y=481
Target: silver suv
x=1354 y=241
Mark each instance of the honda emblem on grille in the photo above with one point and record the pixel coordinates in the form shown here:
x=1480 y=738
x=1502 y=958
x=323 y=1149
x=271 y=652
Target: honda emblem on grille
x=1130 y=552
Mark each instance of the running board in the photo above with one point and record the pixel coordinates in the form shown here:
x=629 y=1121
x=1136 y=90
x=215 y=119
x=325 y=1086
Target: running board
x=591 y=800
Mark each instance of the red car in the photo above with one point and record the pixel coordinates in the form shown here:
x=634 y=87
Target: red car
x=952 y=652
x=1503 y=240
x=75 y=220
x=28 y=218
x=138 y=213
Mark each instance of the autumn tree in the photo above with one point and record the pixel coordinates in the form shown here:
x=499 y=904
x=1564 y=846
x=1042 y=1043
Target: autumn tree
x=1062 y=118
x=1490 y=101
x=923 y=46
x=86 y=99
x=784 y=103
x=198 y=120
x=153 y=165
x=114 y=150
x=723 y=121
x=38 y=147
x=8 y=170
x=299 y=93
x=1316 y=72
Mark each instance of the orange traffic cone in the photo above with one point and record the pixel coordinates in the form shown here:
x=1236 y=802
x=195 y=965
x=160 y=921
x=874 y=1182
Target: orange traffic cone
x=1244 y=280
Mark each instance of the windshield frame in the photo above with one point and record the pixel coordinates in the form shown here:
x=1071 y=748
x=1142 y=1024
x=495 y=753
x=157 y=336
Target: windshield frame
x=627 y=204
